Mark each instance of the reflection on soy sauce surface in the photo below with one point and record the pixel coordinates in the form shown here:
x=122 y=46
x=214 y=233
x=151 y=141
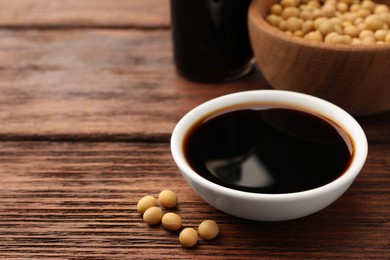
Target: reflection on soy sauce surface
x=210 y=39
x=271 y=151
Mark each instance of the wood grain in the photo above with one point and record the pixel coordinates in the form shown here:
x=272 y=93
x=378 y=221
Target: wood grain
x=89 y=97
x=113 y=82
x=84 y=14
x=77 y=200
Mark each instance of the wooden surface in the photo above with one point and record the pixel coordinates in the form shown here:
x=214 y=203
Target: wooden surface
x=89 y=97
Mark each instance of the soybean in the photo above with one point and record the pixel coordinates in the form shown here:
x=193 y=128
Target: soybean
x=153 y=215
x=168 y=198
x=208 y=229
x=326 y=27
x=145 y=203
x=171 y=221
x=188 y=237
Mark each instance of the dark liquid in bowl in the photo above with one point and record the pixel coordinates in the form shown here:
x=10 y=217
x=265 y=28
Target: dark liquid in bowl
x=273 y=150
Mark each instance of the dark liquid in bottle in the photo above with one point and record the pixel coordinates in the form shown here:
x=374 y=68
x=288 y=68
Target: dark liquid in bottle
x=270 y=151
x=210 y=39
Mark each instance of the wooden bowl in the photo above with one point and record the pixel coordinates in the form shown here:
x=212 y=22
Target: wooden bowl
x=354 y=77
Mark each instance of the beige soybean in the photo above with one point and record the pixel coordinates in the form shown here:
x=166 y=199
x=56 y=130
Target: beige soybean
x=350 y=17
x=336 y=20
x=283 y=25
x=385 y=17
x=326 y=27
x=314 y=4
x=317 y=13
x=330 y=36
x=153 y=215
x=355 y=7
x=293 y=24
x=387 y=39
x=168 y=198
x=381 y=8
x=362 y=26
x=290 y=12
x=314 y=36
x=339 y=29
x=328 y=11
x=369 y=40
x=188 y=237
x=145 y=203
x=289 y=3
x=307 y=26
x=318 y=21
x=342 y=7
x=171 y=221
x=276 y=9
x=351 y=30
x=342 y=39
x=306 y=15
x=368 y=4
x=366 y=33
x=332 y=2
x=373 y=22
x=380 y=35
x=358 y=21
x=274 y=20
x=356 y=41
x=208 y=229
x=363 y=12
x=298 y=33
x=345 y=24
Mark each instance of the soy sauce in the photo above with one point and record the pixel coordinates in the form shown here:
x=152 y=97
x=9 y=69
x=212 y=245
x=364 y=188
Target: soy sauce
x=273 y=150
x=210 y=39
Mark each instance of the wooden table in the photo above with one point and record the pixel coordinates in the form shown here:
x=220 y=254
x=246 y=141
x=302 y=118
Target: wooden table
x=88 y=99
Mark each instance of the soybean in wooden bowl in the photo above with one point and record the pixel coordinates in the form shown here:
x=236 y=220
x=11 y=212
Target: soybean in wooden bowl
x=355 y=77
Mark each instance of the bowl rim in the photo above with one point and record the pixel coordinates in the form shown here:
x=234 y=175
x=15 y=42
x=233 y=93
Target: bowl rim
x=295 y=99
x=260 y=23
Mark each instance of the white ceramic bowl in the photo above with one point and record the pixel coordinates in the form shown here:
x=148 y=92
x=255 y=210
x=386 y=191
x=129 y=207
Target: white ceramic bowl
x=270 y=207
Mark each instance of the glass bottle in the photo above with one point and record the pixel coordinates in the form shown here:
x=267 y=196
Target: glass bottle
x=211 y=40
